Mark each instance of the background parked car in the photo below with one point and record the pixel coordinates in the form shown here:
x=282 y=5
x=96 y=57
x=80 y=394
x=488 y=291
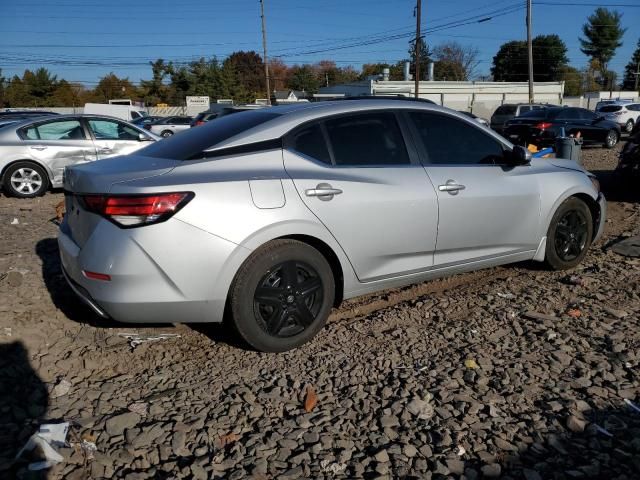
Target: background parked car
x=24 y=114
x=625 y=114
x=202 y=118
x=276 y=227
x=35 y=152
x=603 y=103
x=508 y=111
x=142 y=121
x=541 y=127
x=478 y=119
x=167 y=126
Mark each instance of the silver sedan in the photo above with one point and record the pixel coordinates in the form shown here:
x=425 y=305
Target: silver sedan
x=272 y=217
x=35 y=152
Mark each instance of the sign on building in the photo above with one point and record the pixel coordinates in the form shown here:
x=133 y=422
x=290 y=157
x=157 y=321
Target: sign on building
x=201 y=103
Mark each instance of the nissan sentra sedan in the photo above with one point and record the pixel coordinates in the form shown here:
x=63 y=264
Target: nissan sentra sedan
x=270 y=218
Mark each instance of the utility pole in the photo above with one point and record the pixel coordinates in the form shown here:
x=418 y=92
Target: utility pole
x=417 y=48
x=264 y=49
x=530 y=51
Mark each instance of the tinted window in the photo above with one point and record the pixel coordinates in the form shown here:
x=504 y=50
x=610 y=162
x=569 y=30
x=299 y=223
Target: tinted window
x=448 y=140
x=111 y=130
x=135 y=114
x=181 y=121
x=367 y=139
x=568 y=114
x=634 y=107
x=539 y=113
x=610 y=108
x=58 y=130
x=525 y=108
x=506 y=110
x=191 y=143
x=586 y=114
x=310 y=142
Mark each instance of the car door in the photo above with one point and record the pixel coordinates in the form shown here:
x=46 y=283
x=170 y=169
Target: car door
x=357 y=175
x=58 y=143
x=486 y=208
x=592 y=128
x=112 y=137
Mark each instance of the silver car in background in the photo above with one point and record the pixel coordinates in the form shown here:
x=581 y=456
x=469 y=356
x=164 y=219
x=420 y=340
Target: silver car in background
x=165 y=127
x=34 y=152
x=272 y=217
x=624 y=114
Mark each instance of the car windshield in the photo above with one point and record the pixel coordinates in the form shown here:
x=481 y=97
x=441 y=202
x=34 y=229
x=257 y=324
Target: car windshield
x=611 y=108
x=194 y=141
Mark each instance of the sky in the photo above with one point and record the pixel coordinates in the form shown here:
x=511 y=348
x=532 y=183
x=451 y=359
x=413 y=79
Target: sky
x=84 y=40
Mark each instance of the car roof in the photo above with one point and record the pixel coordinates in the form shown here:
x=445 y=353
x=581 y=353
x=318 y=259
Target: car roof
x=292 y=115
x=70 y=116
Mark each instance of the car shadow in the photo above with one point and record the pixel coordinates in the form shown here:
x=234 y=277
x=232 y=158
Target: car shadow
x=61 y=294
x=615 y=188
x=23 y=404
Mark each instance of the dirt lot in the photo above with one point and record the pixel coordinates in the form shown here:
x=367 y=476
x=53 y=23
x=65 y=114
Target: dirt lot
x=515 y=372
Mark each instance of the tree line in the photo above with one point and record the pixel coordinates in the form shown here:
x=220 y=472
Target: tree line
x=240 y=76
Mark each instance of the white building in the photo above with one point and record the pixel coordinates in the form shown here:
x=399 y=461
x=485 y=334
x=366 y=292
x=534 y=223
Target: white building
x=481 y=98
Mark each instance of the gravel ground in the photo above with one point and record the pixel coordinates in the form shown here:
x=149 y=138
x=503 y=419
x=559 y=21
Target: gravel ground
x=512 y=372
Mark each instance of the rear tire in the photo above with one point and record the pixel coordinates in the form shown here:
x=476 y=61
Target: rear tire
x=25 y=180
x=166 y=133
x=612 y=139
x=281 y=296
x=569 y=235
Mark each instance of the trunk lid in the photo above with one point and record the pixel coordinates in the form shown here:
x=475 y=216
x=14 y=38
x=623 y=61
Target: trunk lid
x=98 y=178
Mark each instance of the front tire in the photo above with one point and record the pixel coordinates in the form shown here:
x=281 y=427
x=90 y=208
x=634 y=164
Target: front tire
x=612 y=139
x=166 y=133
x=569 y=235
x=282 y=295
x=628 y=127
x=25 y=180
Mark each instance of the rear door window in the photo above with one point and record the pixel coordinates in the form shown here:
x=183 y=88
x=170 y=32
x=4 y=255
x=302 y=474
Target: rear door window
x=611 y=108
x=568 y=114
x=310 y=141
x=56 y=130
x=367 y=139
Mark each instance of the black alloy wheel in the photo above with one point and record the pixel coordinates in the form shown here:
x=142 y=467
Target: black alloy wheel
x=572 y=233
x=282 y=295
x=288 y=299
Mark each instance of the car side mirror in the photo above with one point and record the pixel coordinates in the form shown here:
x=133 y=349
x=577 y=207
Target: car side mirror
x=143 y=138
x=520 y=155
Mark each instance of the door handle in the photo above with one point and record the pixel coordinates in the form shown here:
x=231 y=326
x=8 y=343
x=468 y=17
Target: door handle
x=323 y=191
x=38 y=147
x=105 y=150
x=451 y=187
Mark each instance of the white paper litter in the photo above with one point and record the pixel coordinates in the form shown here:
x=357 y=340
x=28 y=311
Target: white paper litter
x=632 y=405
x=48 y=436
x=136 y=339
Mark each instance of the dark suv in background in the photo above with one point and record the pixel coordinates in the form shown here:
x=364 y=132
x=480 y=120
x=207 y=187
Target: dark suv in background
x=510 y=110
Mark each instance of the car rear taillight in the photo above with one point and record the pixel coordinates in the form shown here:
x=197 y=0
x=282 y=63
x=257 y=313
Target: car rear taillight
x=543 y=125
x=136 y=210
x=199 y=122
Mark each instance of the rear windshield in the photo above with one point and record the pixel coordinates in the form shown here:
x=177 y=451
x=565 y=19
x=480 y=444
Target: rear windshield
x=538 y=113
x=506 y=110
x=194 y=141
x=611 y=108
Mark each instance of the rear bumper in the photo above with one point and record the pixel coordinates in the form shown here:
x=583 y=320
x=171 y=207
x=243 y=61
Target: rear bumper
x=166 y=273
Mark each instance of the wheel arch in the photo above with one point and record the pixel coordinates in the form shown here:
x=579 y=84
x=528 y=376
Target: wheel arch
x=329 y=255
x=594 y=208
x=30 y=160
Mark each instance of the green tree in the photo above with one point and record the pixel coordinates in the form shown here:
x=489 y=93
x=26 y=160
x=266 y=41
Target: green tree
x=573 y=81
x=603 y=34
x=3 y=81
x=17 y=94
x=631 y=80
x=304 y=78
x=40 y=85
x=111 y=86
x=425 y=58
x=249 y=71
x=511 y=63
x=156 y=91
x=396 y=71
